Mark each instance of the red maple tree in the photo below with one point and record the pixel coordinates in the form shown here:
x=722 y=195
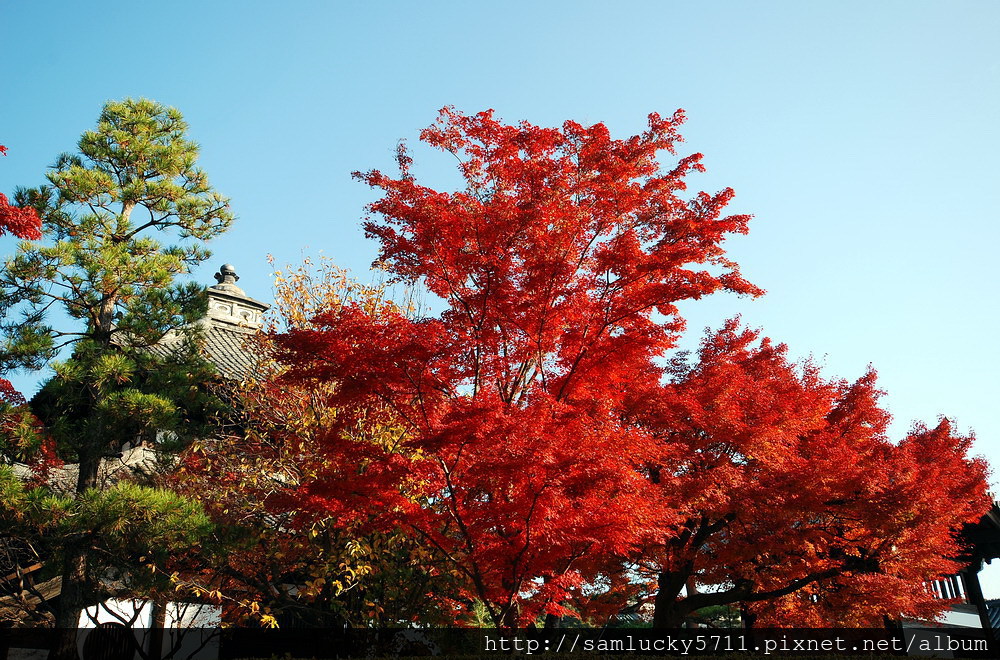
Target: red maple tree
x=560 y=263
x=21 y=222
x=534 y=442
x=789 y=498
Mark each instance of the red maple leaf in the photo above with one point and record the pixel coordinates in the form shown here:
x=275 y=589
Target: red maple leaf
x=21 y=222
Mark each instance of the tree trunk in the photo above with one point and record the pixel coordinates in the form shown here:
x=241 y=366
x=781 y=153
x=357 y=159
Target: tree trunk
x=72 y=597
x=71 y=604
x=669 y=612
x=73 y=593
x=64 y=645
x=90 y=464
x=508 y=618
x=156 y=628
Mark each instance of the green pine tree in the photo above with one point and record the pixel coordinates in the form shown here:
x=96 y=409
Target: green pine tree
x=105 y=211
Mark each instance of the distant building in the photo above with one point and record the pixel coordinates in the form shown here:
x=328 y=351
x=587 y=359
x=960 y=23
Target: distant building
x=232 y=317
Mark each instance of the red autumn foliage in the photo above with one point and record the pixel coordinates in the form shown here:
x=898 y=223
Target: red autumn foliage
x=541 y=446
x=9 y=395
x=21 y=222
x=787 y=488
x=23 y=436
x=918 y=495
x=560 y=263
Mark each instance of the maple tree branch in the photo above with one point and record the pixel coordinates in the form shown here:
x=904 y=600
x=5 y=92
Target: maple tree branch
x=527 y=535
x=743 y=591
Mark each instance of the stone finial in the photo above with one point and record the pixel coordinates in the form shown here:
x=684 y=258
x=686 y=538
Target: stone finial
x=227 y=275
x=229 y=305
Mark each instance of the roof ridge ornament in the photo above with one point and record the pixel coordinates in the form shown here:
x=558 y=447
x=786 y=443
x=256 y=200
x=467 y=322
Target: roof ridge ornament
x=227 y=275
x=230 y=306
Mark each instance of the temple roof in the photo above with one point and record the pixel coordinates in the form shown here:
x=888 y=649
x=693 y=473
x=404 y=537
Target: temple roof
x=983 y=537
x=232 y=318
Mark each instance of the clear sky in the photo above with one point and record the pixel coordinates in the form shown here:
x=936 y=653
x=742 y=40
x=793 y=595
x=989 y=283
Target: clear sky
x=863 y=136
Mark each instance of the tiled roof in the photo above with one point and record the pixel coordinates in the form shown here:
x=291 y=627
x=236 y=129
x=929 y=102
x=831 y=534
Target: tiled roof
x=62 y=479
x=229 y=349
x=233 y=318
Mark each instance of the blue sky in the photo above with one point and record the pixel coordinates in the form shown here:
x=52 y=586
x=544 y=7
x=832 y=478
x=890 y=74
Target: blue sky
x=863 y=136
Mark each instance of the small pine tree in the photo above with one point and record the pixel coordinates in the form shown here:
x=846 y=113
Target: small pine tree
x=105 y=209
